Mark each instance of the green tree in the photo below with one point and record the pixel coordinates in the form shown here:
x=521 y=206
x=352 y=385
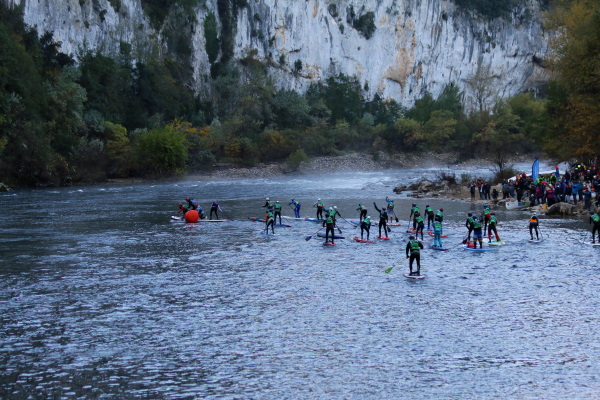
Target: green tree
x=161 y=151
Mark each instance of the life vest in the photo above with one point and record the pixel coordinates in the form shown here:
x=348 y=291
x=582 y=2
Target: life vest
x=269 y=216
x=332 y=213
x=493 y=221
x=329 y=220
x=367 y=221
x=414 y=246
x=439 y=215
x=477 y=224
x=533 y=220
x=595 y=218
x=437 y=225
x=383 y=214
x=470 y=221
x=419 y=219
x=391 y=204
x=429 y=211
x=415 y=210
x=277 y=207
x=319 y=204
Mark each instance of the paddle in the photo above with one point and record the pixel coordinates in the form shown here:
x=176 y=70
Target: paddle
x=311 y=236
x=387 y=271
x=227 y=216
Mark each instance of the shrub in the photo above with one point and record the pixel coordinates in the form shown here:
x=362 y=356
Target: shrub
x=295 y=159
x=161 y=151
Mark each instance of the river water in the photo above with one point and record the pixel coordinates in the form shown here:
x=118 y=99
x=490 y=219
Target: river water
x=102 y=296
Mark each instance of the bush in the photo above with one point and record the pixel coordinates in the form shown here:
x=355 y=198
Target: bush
x=501 y=174
x=161 y=151
x=295 y=159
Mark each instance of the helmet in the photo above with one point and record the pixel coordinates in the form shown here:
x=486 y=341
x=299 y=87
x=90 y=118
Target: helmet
x=485 y=205
x=187 y=199
x=427 y=205
x=369 y=217
x=277 y=201
x=335 y=207
x=331 y=208
x=180 y=204
x=267 y=199
x=318 y=199
x=441 y=209
x=475 y=217
x=411 y=237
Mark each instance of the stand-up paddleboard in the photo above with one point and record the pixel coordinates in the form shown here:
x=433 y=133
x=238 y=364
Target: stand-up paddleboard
x=497 y=243
x=256 y=219
x=410 y=230
x=478 y=249
x=393 y=224
x=293 y=218
x=283 y=225
x=438 y=248
x=314 y=219
x=174 y=218
x=382 y=237
x=266 y=233
x=589 y=243
x=535 y=240
x=414 y=276
x=321 y=234
x=430 y=233
x=356 y=238
x=328 y=244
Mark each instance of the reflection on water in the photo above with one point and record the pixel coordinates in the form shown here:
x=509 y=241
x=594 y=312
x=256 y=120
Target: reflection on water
x=103 y=297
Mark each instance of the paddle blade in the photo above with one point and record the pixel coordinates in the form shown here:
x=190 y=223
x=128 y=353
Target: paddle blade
x=389 y=229
x=339 y=230
x=308 y=238
x=397 y=220
x=387 y=271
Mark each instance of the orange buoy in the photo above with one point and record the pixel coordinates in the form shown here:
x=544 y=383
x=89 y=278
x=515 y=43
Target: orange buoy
x=191 y=216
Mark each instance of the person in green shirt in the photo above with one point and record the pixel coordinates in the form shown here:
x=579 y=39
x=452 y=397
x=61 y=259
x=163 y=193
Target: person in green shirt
x=413 y=247
x=319 y=205
x=363 y=212
x=277 y=211
x=477 y=235
x=269 y=221
x=365 y=226
x=437 y=234
x=429 y=213
x=492 y=227
x=595 y=221
x=383 y=217
x=329 y=223
x=420 y=226
x=414 y=213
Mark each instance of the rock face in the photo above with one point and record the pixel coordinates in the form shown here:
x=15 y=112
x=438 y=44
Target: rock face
x=417 y=46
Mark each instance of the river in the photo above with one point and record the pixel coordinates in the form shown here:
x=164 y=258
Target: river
x=102 y=296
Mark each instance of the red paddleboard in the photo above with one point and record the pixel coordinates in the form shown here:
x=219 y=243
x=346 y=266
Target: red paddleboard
x=328 y=244
x=410 y=230
x=382 y=237
x=430 y=233
x=362 y=240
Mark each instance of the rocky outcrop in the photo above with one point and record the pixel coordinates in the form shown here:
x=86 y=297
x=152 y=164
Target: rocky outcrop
x=411 y=48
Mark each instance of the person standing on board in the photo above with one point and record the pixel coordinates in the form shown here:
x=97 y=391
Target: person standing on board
x=383 y=217
x=182 y=209
x=469 y=224
x=420 y=226
x=269 y=205
x=390 y=208
x=333 y=212
x=319 y=205
x=414 y=213
x=429 y=213
x=595 y=221
x=269 y=221
x=277 y=211
x=296 y=208
x=214 y=208
x=477 y=235
x=487 y=213
x=413 y=247
x=437 y=234
x=365 y=225
x=493 y=223
x=329 y=222
x=533 y=224
x=363 y=212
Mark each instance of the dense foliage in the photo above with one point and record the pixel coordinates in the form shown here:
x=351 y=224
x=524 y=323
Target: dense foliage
x=105 y=117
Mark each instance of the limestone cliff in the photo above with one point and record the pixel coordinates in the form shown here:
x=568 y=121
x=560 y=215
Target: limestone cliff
x=397 y=48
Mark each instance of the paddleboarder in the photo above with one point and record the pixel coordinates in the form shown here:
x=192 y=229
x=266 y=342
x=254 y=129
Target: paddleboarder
x=365 y=225
x=363 y=212
x=390 y=209
x=277 y=211
x=414 y=213
x=319 y=205
x=429 y=213
x=296 y=208
x=420 y=226
x=437 y=234
x=413 y=250
x=595 y=221
x=487 y=213
x=269 y=205
x=533 y=224
x=469 y=225
x=492 y=227
x=269 y=220
x=383 y=217
x=329 y=223
x=215 y=208
x=477 y=234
